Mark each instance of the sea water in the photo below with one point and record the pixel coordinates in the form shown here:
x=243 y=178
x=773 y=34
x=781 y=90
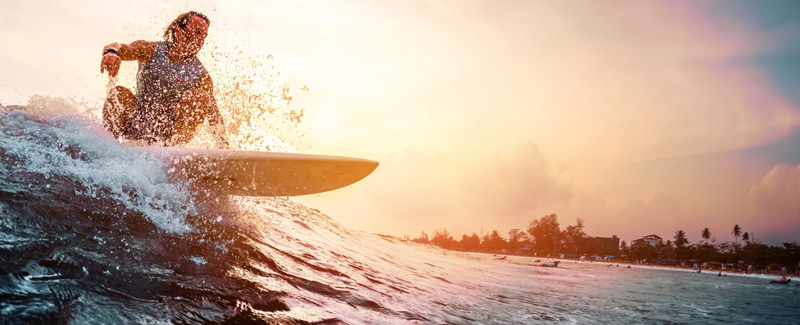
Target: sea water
x=91 y=233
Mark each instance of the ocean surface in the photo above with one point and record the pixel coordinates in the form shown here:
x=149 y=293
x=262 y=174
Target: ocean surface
x=92 y=233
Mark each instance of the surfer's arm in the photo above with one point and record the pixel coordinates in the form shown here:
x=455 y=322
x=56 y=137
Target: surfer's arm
x=115 y=53
x=216 y=124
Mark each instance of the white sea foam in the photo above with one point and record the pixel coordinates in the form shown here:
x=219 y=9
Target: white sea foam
x=53 y=142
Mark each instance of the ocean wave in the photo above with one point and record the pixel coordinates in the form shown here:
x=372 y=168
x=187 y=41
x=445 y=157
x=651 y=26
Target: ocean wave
x=92 y=232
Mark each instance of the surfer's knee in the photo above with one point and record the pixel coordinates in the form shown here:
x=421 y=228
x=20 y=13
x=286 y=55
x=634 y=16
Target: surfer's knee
x=190 y=113
x=193 y=105
x=118 y=109
x=199 y=98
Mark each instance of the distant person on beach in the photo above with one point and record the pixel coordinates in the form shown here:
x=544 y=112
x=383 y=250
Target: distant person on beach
x=175 y=93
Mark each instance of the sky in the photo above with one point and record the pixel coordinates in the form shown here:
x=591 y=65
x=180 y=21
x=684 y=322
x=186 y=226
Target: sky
x=645 y=117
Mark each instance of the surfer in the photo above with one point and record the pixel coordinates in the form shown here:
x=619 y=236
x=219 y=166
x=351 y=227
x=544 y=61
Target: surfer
x=553 y=264
x=175 y=93
x=783 y=280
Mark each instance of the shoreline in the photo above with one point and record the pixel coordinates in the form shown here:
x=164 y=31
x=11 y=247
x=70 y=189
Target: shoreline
x=715 y=272
x=692 y=270
x=643 y=266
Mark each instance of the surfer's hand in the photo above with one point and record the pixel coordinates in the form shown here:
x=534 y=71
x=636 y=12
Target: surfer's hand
x=110 y=63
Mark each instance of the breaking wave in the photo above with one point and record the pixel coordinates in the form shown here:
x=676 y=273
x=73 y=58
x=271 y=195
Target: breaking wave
x=92 y=232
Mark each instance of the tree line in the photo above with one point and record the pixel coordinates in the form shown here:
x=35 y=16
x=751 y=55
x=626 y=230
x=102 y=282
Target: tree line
x=544 y=236
x=737 y=254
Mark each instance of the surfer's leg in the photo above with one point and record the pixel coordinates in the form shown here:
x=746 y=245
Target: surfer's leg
x=189 y=114
x=118 y=110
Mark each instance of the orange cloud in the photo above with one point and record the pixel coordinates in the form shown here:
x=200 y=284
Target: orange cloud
x=774 y=203
x=513 y=183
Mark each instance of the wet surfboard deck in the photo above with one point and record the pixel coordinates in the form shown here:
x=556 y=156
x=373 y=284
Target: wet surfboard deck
x=255 y=173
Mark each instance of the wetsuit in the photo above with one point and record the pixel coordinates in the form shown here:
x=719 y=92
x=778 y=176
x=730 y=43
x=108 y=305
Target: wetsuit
x=160 y=87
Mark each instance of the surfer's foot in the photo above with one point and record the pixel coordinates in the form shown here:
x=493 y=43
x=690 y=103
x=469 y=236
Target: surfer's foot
x=118 y=110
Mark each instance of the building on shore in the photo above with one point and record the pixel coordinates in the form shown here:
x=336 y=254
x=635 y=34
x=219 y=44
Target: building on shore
x=649 y=240
x=600 y=245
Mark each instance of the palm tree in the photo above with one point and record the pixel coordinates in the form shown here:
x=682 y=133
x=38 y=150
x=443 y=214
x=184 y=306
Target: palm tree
x=680 y=238
x=746 y=238
x=736 y=232
x=706 y=235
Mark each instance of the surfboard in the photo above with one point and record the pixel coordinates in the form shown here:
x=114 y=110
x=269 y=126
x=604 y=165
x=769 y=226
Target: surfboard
x=254 y=173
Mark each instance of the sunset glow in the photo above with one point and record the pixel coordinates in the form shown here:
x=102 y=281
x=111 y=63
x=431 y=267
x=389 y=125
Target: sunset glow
x=642 y=118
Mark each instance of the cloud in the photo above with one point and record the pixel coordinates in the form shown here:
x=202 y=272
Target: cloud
x=774 y=203
x=514 y=183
